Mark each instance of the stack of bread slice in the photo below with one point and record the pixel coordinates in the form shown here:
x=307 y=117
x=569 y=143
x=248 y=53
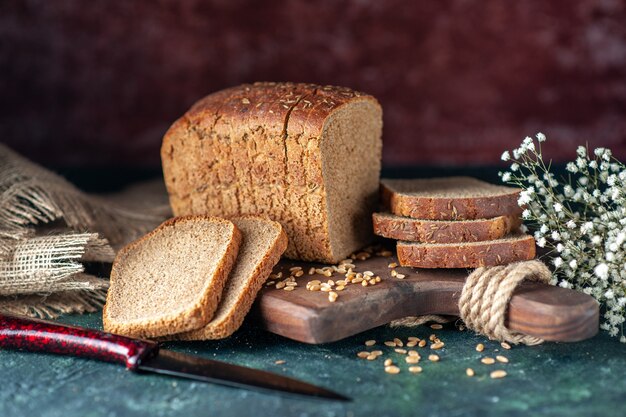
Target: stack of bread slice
x=192 y=278
x=453 y=222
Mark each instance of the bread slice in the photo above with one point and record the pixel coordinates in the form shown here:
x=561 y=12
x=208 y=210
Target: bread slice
x=264 y=241
x=171 y=280
x=513 y=248
x=451 y=198
x=443 y=231
x=305 y=155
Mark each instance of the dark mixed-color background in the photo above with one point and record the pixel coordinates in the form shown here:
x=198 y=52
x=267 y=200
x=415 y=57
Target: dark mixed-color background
x=96 y=83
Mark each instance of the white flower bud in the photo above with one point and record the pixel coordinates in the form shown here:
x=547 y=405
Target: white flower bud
x=540 y=137
x=505 y=156
x=571 y=167
x=524 y=198
x=602 y=271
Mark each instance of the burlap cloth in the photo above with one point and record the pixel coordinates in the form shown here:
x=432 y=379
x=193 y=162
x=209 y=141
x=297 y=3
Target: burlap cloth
x=49 y=231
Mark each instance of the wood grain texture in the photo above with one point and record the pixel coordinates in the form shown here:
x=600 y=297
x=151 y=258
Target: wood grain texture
x=551 y=313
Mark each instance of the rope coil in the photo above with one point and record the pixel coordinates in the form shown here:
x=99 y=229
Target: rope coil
x=485 y=298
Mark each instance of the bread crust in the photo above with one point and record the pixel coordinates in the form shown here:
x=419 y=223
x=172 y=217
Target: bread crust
x=266 y=136
x=443 y=231
x=220 y=329
x=198 y=314
x=450 y=208
x=468 y=255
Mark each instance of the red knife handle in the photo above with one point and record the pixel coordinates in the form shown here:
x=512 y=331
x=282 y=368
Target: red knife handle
x=49 y=337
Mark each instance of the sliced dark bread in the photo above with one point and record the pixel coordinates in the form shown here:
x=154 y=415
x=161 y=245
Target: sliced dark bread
x=513 y=248
x=443 y=231
x=451 y=198
x=171 y=280
x=264 y=241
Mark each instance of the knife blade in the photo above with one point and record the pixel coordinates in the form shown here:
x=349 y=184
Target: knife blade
x=144 y=356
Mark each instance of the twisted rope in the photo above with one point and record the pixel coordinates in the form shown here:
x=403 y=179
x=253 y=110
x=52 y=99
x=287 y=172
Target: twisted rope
x=485 y=298
x=486 y=295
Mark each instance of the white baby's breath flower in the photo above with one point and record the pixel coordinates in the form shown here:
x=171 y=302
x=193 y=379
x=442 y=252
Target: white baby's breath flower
x=602 y=271
x=558 y=262
x=571 y=167
x=581 y=219
x=558 y=207
x=524 y=198
x=611 y=180
x=586 y=227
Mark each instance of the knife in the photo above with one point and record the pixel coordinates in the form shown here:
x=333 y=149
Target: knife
x=143 y=356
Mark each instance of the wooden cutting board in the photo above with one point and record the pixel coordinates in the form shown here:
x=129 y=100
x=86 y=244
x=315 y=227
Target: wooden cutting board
x=551 y=313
